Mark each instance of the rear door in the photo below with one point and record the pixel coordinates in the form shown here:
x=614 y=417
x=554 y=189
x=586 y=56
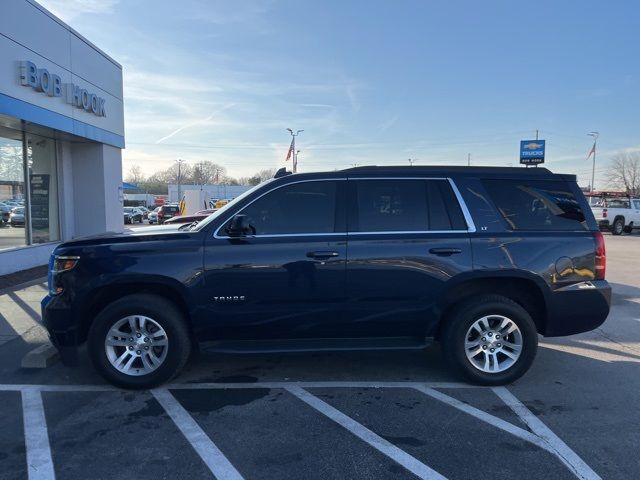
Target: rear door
x=406 y=238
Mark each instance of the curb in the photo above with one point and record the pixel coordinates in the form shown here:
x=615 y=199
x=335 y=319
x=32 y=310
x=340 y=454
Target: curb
x=42 y=357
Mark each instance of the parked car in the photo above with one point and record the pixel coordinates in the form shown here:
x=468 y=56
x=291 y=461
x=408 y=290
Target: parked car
x=16 y=218
x=481 y=259
x=153 y=216
x=196 y=217
x=5 y=213
x=619 y=215
x=144 y=210
x=132 y=215
x=166 y=212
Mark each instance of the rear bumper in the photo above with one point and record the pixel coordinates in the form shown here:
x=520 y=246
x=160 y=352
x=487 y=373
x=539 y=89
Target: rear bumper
x=578 y=308
x=604 y=224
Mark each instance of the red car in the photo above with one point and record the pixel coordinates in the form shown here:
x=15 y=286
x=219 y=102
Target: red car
x=196 y=217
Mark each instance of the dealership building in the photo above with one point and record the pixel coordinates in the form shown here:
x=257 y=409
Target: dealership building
x=61 y=136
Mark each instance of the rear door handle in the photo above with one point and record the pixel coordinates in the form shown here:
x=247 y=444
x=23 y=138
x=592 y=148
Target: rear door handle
x=445 y=252
x=322 y=254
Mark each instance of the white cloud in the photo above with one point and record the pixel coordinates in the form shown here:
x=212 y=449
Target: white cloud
x=67 y=10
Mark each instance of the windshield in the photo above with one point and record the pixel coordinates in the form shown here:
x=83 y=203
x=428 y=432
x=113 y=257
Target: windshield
x=229 y=205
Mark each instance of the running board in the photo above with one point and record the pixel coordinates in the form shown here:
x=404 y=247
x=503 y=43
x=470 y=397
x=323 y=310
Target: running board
x=316 y=345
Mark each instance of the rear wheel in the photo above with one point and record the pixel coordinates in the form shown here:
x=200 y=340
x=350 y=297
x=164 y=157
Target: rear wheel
x=139 y=341
x=490 y=340
x=618 y=226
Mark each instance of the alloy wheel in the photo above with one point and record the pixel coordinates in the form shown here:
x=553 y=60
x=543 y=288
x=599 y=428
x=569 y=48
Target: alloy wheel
x=493 y=343
x=136 y=345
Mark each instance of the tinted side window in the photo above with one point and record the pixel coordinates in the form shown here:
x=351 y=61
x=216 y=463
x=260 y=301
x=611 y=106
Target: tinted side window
x=307 y=207
x=397 y=205
x=637 y=204
x=536 y=204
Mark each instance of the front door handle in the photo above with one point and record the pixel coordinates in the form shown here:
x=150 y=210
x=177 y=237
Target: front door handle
x=322 y=254
x=445 y=252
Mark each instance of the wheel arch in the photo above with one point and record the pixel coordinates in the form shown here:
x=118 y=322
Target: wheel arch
x=102 y=296
x=522 y=289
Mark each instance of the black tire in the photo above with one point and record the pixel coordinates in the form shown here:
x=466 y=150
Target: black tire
x=618 y=226
x=458 y=323
x=163 y=312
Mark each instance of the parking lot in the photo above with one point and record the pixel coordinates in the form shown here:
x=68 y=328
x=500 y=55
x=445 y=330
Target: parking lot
x=356 y=415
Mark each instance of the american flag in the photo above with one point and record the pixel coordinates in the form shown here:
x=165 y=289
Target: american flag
x=290 y=152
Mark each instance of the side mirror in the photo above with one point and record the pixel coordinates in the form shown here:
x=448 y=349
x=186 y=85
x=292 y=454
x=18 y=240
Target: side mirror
x=239 y=226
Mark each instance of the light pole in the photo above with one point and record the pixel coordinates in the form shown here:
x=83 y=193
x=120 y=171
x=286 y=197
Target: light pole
x=179 y=162
x=593 y=150
x=293 y=148
x=411 y=160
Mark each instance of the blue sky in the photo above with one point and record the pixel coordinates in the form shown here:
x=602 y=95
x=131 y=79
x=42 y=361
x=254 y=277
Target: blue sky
x=370 y=82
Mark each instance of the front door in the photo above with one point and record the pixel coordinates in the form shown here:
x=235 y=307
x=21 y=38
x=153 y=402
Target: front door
x=287 y=278
x=407 y=238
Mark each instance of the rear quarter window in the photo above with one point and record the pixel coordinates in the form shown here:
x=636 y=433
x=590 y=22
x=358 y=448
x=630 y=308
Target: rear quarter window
x=536 y=204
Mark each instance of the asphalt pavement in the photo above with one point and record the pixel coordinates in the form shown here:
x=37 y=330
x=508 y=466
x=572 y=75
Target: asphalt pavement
x=366 y=415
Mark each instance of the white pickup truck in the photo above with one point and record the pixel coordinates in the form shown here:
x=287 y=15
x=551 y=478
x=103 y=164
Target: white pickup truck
x=618 y=214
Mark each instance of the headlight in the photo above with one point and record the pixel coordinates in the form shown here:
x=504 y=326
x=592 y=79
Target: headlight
x=63 y=263
x=59 y=264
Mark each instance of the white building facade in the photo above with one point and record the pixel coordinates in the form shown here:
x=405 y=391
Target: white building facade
x=61 y=135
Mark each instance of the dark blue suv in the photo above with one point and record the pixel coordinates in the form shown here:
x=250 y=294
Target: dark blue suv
x=480 y=259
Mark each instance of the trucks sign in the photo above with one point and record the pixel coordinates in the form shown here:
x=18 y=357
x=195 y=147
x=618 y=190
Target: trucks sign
x=531 y=152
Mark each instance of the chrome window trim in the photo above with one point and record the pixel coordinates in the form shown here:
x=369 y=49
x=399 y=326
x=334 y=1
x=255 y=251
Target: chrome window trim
x=463 y=206
x=471 y=227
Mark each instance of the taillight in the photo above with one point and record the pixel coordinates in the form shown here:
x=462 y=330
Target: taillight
x=604 y=213
x=601 y=256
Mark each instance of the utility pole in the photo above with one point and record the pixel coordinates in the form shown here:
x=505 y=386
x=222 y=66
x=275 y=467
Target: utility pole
x=593 y=150
x=293 y=148
x=180 y=162
x=468 y=159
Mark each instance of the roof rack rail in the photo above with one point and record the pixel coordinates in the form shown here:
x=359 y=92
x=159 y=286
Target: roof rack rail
x=282 y=172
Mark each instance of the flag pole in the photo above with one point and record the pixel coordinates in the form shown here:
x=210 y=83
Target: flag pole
x=292 y=149
x=593 y=168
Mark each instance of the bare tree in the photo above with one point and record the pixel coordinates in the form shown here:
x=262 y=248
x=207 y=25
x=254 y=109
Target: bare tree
x=207 y=172
x=170 y=175
x=624 y=172
x=258 y=177
x=135 y=175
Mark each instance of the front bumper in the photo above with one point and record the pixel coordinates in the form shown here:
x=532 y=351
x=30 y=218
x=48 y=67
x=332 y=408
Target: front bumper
x=578 y=308
x=57 y=318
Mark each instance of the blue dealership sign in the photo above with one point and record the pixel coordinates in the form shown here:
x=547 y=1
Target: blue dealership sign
x=531 y=152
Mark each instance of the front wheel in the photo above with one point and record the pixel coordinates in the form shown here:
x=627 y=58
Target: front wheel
x=139 y=341
x=490 y=340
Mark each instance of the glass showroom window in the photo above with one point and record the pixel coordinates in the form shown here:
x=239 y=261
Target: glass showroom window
x=28 y=211
x=43 y=189
x=12 y=190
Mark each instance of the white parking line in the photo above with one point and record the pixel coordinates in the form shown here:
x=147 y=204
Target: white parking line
x=200 y=441
x=36 y=437
x=383 y=446
x=484 y=416
x=555 y=445
x=40 y=464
